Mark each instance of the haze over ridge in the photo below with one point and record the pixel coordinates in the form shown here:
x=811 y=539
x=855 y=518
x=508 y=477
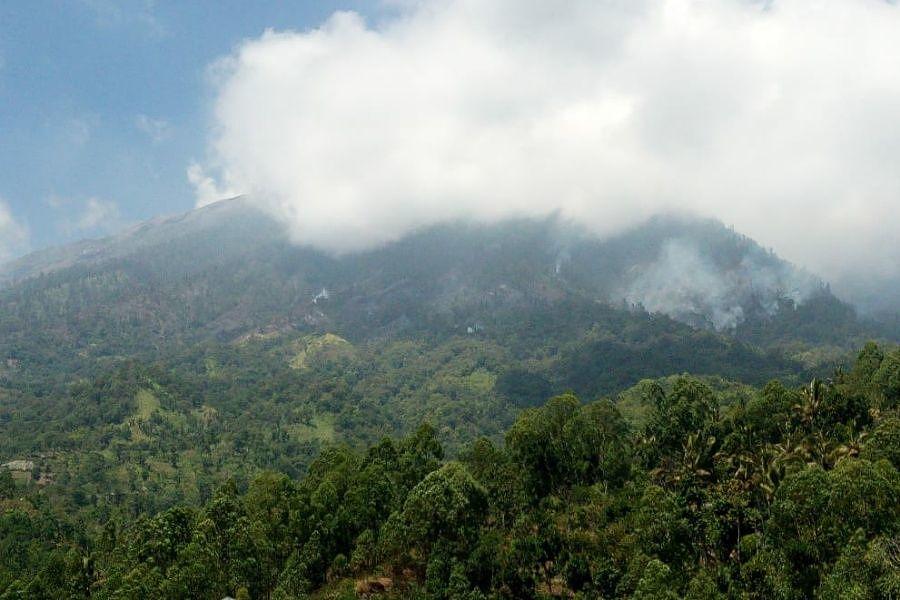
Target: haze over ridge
x=779 y=118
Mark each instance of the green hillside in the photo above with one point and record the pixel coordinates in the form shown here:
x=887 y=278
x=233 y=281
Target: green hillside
x=715 y=491
x=197 y=408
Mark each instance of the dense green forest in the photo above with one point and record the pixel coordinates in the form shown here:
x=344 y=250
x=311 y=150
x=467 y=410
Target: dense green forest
x=705 y=492
x=155 y=434
x=197 y=408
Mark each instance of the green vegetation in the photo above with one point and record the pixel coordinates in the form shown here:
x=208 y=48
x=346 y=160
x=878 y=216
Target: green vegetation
x=152 y=435
x=198 y=408
x=711 y=490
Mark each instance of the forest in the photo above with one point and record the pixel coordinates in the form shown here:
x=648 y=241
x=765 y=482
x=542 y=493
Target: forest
x=779 y=491
x=198 y=408
x=449 y=300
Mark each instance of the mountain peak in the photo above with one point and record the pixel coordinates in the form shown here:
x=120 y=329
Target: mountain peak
x=695 y=270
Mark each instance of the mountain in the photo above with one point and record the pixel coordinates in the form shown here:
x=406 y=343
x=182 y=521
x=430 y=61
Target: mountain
x=172 y=364
x=695 y=270
x=460 y=323
x=228 y=270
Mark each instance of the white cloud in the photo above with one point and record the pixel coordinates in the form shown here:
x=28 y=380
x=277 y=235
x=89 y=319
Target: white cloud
x=13 y=234
x=158 y=130
x=782 y=118
x=206 y=188
x=98 y=214
x=95 y=216
x=118 y=13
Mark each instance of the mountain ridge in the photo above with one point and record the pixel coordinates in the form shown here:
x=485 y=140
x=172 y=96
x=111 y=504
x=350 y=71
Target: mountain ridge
x=576 y=249
x=545 y=290
x=228 y=269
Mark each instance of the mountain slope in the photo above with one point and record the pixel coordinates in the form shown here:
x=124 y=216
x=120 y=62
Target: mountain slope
x=225 y=269
x=459 y=323
x=146 y=368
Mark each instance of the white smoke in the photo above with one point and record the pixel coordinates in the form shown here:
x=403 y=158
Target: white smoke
x=781 y=118
x=13 y=234
x=687 y=284
x=96 y=216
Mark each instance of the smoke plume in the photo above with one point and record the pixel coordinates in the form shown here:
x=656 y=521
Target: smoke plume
x=13 y=234
x=780 y=118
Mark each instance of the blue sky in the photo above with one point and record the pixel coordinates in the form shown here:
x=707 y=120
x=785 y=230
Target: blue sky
x=104 y=103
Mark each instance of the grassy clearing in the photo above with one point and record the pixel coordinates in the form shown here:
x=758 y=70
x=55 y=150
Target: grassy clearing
x=147 y=404
x=320 y=428
x=327 y=347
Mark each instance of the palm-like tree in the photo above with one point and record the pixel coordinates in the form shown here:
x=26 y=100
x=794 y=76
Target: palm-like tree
x=848 y=449
x=809 y=407
x=692 y=465
x=760 y=470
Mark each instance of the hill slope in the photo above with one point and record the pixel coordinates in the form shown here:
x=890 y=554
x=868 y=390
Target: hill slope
x=237 y=332
x=141 y=371
x=226 y=271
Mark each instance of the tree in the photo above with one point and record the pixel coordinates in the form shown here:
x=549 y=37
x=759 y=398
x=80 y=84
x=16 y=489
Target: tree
x=446 y=507
x=690 y=409
x=884 y=442
x=864 y=570
x=536 y=443
x=293 y=583
x=887 y=379
x=867 y=362
x=815 y=512
x=7 y=484
x=655 y=583
x=564 y=443
x=501 y=477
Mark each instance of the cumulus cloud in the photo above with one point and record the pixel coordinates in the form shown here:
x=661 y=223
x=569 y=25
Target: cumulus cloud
x=781 y=118
x=13 y=234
